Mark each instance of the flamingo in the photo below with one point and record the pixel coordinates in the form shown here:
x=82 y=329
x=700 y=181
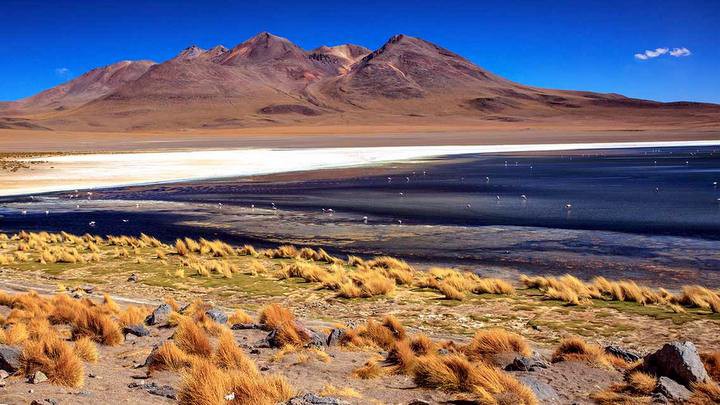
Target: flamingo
x=47 y=212
x=468 y=206
x=524 y=197
x=400 y=221
x=365 y=220
x=568 y=206
x=497 y=197
x=125 y=221
x=91 y=223
x=24 y=212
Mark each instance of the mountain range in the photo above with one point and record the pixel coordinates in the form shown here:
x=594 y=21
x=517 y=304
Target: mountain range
x=268 y=80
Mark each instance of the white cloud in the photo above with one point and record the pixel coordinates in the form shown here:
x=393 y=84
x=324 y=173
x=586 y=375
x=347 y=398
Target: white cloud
x=62 y=72
x=678 y=52
x=654 y=53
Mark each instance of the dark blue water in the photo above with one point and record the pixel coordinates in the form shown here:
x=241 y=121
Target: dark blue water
x=666 y=191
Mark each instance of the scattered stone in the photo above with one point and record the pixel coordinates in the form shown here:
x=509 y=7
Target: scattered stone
x=46 y=401
x=217 y=315
x=38 y=377
x=658 y=398
x=77 y=295
x=4 y=374
x=88 y=289
x=672 y=390
x=418 y=402
x=522 y=363
x=312 y=399
x=316 y=339
x=543 y=391
x=264 y=368
x=254 y=350
x=133 y=278
x=626 y=355
x=230 y=396
x=137 y=330
x=155 y=389
x=159 y=315
x=84 y=393
x=9 y=358
x=245 y=326
x=679 y=361
x=335 y=336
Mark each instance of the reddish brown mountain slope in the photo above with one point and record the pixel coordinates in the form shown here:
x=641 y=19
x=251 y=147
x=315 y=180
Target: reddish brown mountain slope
x=90 y=86
x=268 y=80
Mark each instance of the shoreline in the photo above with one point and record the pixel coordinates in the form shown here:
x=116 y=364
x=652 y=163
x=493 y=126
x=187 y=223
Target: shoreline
x=108 y=170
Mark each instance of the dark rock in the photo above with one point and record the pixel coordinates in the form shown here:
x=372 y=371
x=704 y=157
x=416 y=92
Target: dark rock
x=9 y=358
x=245 y=326
x=254 y=350
x=37 y=378
x=46 y=401
x=312 y=399
x=679 y=361
x=522 y=363
x=335 y=336
x=159 y=315
x=443 y=351
x=88 y=289
x=137 y=330
x=77 y=295
x=133 y=278
x=155 y=389
x=316 y=339
x=544 y=392
x=672 y=390
x=658 y=398
x=626 y=355
x=217 y=315
x=418 y=402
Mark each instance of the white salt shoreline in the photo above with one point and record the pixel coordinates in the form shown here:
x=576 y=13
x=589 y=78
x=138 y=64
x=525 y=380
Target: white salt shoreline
x=93 y=171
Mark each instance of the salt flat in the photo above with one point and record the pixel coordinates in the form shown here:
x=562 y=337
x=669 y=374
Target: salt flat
x=102 y=170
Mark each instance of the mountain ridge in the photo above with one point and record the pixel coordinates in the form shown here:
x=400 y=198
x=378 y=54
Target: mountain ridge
x=269 y=80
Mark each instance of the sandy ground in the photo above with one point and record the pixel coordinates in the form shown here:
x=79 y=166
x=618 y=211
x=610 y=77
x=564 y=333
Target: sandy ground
x=333 y=136
x=101 y=170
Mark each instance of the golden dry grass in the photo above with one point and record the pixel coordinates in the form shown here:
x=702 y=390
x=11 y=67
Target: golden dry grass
x=455 y=373
x=239 y=316
x=711 y=361
x=56 y=359
x=371 y=369
x=489 y=342
x=192 y=339
x=330 y=390
x=86 y=350
x=169 y=357
x=576 y=349
x=98 y=326
x=704 y=393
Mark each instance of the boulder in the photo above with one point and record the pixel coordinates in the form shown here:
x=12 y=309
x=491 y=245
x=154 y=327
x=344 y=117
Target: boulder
x=217 y=315
x=9 y=358
x=626 y=355
x=136 y=330
x=679 y=361
x=312 y=399
x=37 y=378
x=159 y=315
x=522 y=363
x=543 y=391
x=672 y=390
x=335 y=336
x=153 y=388
x=244 y=326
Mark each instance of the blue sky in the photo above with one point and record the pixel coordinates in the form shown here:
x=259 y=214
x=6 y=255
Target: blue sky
x=583 y=45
